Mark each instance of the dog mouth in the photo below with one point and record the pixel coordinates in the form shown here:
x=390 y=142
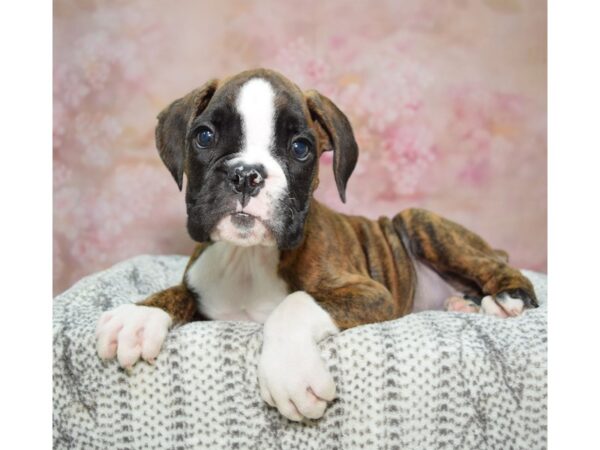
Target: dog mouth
x=243 y=220
x=246 y=220
x=242 y=228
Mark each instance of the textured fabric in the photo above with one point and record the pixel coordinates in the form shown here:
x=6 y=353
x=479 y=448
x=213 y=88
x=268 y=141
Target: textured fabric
x=426 y=381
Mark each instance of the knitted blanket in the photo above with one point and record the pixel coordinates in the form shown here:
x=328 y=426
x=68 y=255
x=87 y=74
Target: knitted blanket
x=425 y=381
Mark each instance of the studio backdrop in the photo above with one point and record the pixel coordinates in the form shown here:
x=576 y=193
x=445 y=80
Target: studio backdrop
x=447 y=100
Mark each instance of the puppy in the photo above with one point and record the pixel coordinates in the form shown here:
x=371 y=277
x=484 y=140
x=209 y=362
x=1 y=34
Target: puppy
x=267 y=251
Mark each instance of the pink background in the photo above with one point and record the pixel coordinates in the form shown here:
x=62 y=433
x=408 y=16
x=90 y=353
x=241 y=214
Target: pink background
x=447 y=99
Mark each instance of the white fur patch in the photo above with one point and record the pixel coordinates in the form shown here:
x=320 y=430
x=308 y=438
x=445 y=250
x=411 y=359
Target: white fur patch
x=227 y=231
x=291 y=373
x=131 y=332
x=491 y=308
x=256 y=106
x=504 y=306
x=237 y=283
x=513 y=306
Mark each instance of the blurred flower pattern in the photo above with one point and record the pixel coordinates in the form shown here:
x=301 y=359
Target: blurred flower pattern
x=447 y=99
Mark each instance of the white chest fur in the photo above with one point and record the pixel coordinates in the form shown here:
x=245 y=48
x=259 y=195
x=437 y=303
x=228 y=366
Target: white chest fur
x=237 y=283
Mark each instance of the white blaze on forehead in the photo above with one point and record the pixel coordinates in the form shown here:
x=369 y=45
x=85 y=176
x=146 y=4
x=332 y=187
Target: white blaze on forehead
x=256 y=106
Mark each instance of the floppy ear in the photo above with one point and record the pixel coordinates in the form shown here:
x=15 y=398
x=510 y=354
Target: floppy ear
x=340 y=137
x=172 y=127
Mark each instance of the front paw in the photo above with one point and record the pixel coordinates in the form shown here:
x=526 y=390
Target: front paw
x=293 y=378
x=131 y=332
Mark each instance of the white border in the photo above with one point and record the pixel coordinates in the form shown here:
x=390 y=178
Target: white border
x=26 y=232
x=574 y=224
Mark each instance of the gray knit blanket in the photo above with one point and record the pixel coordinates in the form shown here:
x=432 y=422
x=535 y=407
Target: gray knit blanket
x=426 y=381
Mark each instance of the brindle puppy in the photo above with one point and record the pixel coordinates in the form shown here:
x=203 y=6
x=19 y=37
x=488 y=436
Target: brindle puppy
x=250 y=147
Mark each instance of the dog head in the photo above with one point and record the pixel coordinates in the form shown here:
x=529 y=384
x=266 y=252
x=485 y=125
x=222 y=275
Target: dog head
x=250 y=146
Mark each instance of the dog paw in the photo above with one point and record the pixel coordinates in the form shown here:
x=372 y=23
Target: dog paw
x=293 y=378
x=507 y=304
x=460 y=304
x=131 y=332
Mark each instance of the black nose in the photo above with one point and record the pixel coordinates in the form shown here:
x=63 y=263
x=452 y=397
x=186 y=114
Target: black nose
x=247 y=179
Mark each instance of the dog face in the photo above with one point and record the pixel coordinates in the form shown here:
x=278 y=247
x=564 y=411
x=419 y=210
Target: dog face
x=250 y=147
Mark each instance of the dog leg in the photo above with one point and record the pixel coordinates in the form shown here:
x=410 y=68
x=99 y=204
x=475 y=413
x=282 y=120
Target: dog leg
x=459 y=254
x=292 y=375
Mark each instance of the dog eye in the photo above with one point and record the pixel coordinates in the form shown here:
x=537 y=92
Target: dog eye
x=301 y=149
x=205 y=137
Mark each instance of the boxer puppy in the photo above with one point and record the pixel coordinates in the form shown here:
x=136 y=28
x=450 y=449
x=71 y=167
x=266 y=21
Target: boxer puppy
x=250 y=146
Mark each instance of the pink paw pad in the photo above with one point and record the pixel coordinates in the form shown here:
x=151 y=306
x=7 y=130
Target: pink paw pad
x=459 y=304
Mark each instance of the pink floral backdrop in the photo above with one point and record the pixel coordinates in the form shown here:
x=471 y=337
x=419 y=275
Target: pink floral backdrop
x=447 y=99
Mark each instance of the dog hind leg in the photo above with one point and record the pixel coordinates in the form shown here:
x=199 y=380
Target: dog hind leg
x=457 y=253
